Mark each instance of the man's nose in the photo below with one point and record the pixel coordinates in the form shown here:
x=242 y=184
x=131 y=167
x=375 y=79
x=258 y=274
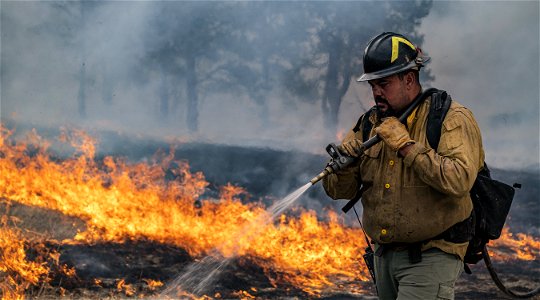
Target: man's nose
x=376 y=91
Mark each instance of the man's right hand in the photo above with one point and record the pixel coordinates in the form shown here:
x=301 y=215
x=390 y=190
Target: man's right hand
x=351 y=148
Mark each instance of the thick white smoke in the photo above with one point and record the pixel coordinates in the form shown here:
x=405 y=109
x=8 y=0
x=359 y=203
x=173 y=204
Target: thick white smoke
x=485 y=54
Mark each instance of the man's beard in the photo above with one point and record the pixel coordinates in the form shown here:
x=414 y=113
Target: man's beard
x=390 y=112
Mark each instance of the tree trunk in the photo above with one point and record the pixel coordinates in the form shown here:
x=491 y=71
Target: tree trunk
x=331 y=98
x=192 y=107
x=338 y=79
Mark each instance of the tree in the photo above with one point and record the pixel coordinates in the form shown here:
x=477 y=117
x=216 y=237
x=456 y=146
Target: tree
x=261 y=50
x=183 y=35
x=232 y=47
x=68 y=24
x=342 y=29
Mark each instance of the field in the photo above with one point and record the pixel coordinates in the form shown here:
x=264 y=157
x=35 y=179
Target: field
x=129 y=220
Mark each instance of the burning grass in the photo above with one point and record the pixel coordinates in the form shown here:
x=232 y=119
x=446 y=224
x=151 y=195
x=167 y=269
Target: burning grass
x=159 y=201
x=17 y=273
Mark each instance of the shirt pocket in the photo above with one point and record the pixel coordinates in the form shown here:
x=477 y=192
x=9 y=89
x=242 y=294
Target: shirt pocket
x=452 y=137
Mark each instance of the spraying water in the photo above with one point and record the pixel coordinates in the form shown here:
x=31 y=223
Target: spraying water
x=200 y=275
x=197 y=276
x=280 y=206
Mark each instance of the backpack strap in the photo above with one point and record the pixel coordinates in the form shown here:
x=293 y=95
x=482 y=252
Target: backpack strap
x=365 y=124
x=440 y=104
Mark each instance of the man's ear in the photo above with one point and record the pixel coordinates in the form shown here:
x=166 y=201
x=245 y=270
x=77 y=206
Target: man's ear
x=410 y=79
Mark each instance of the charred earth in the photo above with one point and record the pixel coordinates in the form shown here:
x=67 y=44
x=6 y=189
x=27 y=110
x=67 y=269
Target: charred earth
x=145 y=265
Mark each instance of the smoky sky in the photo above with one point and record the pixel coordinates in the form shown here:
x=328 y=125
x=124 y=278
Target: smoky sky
x=485 y=54
x=48 y=46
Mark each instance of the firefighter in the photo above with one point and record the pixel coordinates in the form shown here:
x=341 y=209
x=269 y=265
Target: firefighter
x=413 y=196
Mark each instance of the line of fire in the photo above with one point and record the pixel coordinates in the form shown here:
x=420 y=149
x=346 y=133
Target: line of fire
x=106 y=227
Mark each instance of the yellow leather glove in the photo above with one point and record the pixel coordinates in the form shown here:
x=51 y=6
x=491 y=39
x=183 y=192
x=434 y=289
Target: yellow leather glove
x=393 y=133
x=351 y=148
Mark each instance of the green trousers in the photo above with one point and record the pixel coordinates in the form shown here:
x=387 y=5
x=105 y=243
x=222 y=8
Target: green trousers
x=432 y=278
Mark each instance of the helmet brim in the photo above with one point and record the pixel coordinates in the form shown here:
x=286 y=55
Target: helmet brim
x=393 y=70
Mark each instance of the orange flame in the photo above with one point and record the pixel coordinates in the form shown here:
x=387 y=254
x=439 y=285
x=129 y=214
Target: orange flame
x=243 y=295
x=16 y=272
x=340 y=135
x=153 y=284
x=121 y=201
x=122 y=286
x=510 y=246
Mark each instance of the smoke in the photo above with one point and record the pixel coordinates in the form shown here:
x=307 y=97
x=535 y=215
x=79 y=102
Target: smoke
x=486 y=55
x=53 y=54
x=46 y=44
x=56 y=53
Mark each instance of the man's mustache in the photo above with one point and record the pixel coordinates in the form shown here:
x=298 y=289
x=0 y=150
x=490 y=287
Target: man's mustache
x=381 y=100
x=389 y=112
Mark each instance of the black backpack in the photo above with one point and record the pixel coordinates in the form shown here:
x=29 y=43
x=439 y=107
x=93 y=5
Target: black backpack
x=491 y=198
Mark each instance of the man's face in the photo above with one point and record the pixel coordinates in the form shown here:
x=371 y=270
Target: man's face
x=390 y=95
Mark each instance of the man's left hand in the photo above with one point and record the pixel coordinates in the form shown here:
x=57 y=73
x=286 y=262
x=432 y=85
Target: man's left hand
x=393 y=133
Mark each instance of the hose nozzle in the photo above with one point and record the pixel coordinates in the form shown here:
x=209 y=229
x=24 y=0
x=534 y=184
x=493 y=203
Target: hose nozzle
x=327 y=171
x=338 y=162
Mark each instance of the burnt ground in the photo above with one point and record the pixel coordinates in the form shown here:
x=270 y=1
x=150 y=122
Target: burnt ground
x=267 y=175
x=100 y=267
x=520 y=276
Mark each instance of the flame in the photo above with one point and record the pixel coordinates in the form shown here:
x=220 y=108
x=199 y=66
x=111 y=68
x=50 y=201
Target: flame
x=243 y=295
x=340 y=135
x=122 y=286
x=16 y=272
x=153 y=284
x=69 y=272
x=97 y=282
x=520 y=245
x=160 y=201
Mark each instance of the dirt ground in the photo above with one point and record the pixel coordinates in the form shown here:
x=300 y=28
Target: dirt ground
x=134 y=269
x=125 y=270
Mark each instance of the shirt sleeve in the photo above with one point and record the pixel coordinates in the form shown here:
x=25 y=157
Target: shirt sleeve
x=344 y=184
x=453 y=168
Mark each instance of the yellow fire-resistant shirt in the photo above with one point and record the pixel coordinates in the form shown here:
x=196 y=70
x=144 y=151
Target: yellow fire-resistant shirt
x=418 y=197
